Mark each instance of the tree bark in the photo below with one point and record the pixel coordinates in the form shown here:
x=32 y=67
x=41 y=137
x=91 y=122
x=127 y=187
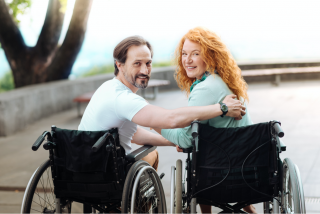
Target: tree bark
x=11 y=40
x=46 y=61
x=46 y=46
x=61 y=66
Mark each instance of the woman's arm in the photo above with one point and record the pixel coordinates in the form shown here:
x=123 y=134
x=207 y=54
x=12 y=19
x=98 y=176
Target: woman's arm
x=198 y=100
x=181 y=137
x=202 y=95
x=157 y=117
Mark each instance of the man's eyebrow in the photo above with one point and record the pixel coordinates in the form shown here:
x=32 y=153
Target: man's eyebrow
x=139 y=60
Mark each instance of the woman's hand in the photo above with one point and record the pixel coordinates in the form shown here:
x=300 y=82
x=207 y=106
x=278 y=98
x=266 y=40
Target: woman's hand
x=179 y=149
x=235 y=108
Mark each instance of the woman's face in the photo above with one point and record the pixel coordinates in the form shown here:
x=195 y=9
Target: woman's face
x=192 y=60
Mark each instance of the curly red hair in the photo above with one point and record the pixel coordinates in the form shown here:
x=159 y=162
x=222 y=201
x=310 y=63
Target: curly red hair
x=216 y=56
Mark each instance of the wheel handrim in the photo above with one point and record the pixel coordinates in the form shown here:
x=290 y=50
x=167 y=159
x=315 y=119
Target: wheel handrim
x=146 y=200
x=288 y=202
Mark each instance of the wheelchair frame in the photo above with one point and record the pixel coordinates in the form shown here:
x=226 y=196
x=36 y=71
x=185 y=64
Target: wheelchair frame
x=131 y=165
x=187 y=201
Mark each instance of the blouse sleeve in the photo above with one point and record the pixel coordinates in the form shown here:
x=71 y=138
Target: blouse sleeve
x=181 y=137
x=200 y=96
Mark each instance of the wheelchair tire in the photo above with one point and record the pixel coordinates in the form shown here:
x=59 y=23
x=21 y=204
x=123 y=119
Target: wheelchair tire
x=292 y=197
x=178 y=192
x=266 y=207
x=39 y=195
x=149 y=194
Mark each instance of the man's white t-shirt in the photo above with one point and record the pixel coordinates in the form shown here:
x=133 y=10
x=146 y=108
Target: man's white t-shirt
x=113 y=105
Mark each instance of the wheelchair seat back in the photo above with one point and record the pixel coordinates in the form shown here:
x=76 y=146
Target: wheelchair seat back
x=83 y=175
x=227 y=156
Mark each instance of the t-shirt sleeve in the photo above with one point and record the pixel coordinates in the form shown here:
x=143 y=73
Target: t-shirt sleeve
x=128 y=104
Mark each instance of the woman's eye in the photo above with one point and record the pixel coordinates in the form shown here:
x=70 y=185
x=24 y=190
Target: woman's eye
x=137 y=63
x=183 y=54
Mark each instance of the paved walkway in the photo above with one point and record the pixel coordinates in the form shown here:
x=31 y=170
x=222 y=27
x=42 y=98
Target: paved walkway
x=295 y=104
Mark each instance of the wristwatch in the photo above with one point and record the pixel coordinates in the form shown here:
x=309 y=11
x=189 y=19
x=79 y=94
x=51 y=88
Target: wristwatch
x=224 y=109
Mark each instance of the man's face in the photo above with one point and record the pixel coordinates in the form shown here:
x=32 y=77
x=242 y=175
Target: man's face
x=137 y=68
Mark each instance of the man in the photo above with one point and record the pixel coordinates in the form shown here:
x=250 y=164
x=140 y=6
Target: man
x=116 y=105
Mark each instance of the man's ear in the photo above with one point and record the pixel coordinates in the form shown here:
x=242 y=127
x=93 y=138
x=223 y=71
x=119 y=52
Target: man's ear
x=119 y=65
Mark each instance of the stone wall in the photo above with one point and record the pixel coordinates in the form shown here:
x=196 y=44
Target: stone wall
x=23 y=106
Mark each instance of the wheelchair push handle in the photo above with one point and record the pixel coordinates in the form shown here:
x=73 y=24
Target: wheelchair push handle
x=195 y=128
x=278 y=129
x=39 y=141
x=100 y=142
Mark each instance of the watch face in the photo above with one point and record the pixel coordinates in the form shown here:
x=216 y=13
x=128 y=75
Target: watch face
x=224 y=108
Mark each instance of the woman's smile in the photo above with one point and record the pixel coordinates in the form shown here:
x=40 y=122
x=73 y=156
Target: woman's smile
x=191 y=67
x=192 y=60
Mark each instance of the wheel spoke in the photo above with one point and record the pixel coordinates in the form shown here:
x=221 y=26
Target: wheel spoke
x=41 y=198
x=147 y=192
x=41 y=182
x=46 y=199
x=36 y=203
x=145 y=201
x=36 y=210
x=48 y=182
x=50 y=176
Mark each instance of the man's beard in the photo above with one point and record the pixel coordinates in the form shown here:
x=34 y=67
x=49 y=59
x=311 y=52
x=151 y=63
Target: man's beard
x=132 y=80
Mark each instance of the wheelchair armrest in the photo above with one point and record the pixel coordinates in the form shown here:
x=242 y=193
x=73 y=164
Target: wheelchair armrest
x=140 y=153
x=187 y=150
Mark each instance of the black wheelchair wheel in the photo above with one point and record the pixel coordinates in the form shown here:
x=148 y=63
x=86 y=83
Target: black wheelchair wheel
x=149 y=194
x=178 y=191
x=292 y=193
x=266 y=207
x=39 y=195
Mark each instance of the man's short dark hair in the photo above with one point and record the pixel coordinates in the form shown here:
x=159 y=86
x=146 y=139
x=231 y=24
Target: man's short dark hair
x=121 y=50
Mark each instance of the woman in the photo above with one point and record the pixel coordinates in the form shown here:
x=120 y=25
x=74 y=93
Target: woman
x=207 y=72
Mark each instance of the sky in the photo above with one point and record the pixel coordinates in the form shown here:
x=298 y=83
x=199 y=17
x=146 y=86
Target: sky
x=253 y=30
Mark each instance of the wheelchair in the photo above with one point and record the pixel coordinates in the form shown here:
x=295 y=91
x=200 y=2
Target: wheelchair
x=232 y=168
x=91 y=168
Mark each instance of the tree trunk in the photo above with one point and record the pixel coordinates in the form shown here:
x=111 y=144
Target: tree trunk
x=61 y=66
x=46 y=61
x=11 y=40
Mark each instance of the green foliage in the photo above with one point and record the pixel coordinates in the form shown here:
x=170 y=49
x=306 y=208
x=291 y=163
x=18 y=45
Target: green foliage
x=63 y=5
x=6 y=82
x=18 y=7
x=161 y=64
x=110 y=68
x=99 y=70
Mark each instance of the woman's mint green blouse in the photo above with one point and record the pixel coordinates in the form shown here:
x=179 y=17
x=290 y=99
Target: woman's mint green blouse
x=211 y=91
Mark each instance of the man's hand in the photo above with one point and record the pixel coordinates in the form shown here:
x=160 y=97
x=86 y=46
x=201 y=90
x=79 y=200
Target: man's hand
x=179 y=149
x=235 y=108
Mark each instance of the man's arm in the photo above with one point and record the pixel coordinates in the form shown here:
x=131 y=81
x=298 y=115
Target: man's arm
x=144 y=137
x=157 y=117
